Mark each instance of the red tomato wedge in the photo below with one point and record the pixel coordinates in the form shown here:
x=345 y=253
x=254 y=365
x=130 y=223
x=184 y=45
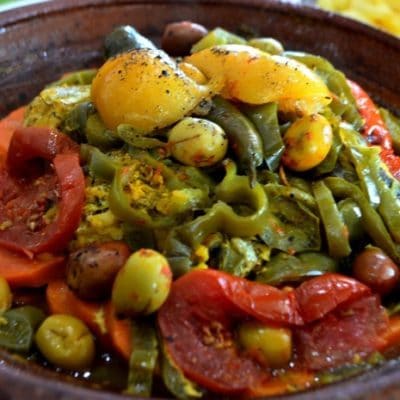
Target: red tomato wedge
x=352 y=330
x=196 y=323
x=29 y=144
x=198 y=320
x=21 y=271
x=99 y=317
x=318 y=296
x=28 y=190
x=263 y=302
x=8 y=125
x=375 y=129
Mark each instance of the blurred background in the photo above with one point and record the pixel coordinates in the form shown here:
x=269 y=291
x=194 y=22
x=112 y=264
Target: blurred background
x=383 y=14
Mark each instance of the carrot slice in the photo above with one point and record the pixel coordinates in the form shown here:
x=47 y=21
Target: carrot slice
x=21 y=271
x=61 y=300
x=99 y=317
x=8 y=125
x=391 y=337
x=119 y=331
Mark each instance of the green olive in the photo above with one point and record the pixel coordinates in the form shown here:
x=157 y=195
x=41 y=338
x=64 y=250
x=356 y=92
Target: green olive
x=307 y=142
x=142 y=284
x=269 y=45
x=5 y=295
x=197 y=142
x=66 y=342
x=272 y=345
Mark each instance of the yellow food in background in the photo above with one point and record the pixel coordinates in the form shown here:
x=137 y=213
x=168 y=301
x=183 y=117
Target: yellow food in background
x=383 y=14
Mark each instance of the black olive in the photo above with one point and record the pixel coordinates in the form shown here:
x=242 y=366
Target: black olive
x=125 y=38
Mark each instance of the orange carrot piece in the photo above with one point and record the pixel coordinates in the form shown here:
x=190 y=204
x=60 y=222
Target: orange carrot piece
x=99 y=317
x=120 y=332
x=391 y=337
x=61 y=300
x=7 y=127
x=21 y=271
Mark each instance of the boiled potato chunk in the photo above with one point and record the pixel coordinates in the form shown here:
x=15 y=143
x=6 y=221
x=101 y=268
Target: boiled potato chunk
x=197 y=142
x=255 y=77
x=145 y=89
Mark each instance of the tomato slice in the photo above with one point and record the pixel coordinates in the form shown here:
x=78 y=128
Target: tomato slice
x=263 y=302
x=196 y=323
x=198 y=320
x=353 y=330
x=32 y=143
x=318 y=296
x=28 y=190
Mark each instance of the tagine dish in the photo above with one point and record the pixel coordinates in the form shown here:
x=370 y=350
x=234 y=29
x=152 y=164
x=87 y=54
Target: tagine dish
x=217 y=216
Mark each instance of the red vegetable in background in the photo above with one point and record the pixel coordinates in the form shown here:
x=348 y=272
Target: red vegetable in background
x=25 y=201
x=375 y=129
x=318 y=296
x=197 y=323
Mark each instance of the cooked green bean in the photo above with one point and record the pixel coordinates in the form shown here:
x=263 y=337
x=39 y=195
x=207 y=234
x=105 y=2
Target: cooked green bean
x=242 y=135
x=284 y=268
x=181 y=387
x=292 y=193
x=382 y=188
x=216 y=37
x=267 y=44
x=143 y=358
x=101 y=166
x=265 y=119
x=128 y=134
x=238 y=257
x=330 y=161
x=336 y=82
x=291 y=226
x=372 y=221
x=336 y=231
x=18 y=327
x=223 y=218
x=84 y=124
x=352 y=218
x=393 y=124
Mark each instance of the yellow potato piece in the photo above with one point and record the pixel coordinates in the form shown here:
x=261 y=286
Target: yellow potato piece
x=384 y=14
x=146 y=89
x=252 y=76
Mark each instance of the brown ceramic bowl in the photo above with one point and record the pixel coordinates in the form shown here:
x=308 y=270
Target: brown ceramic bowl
x=38 y=43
